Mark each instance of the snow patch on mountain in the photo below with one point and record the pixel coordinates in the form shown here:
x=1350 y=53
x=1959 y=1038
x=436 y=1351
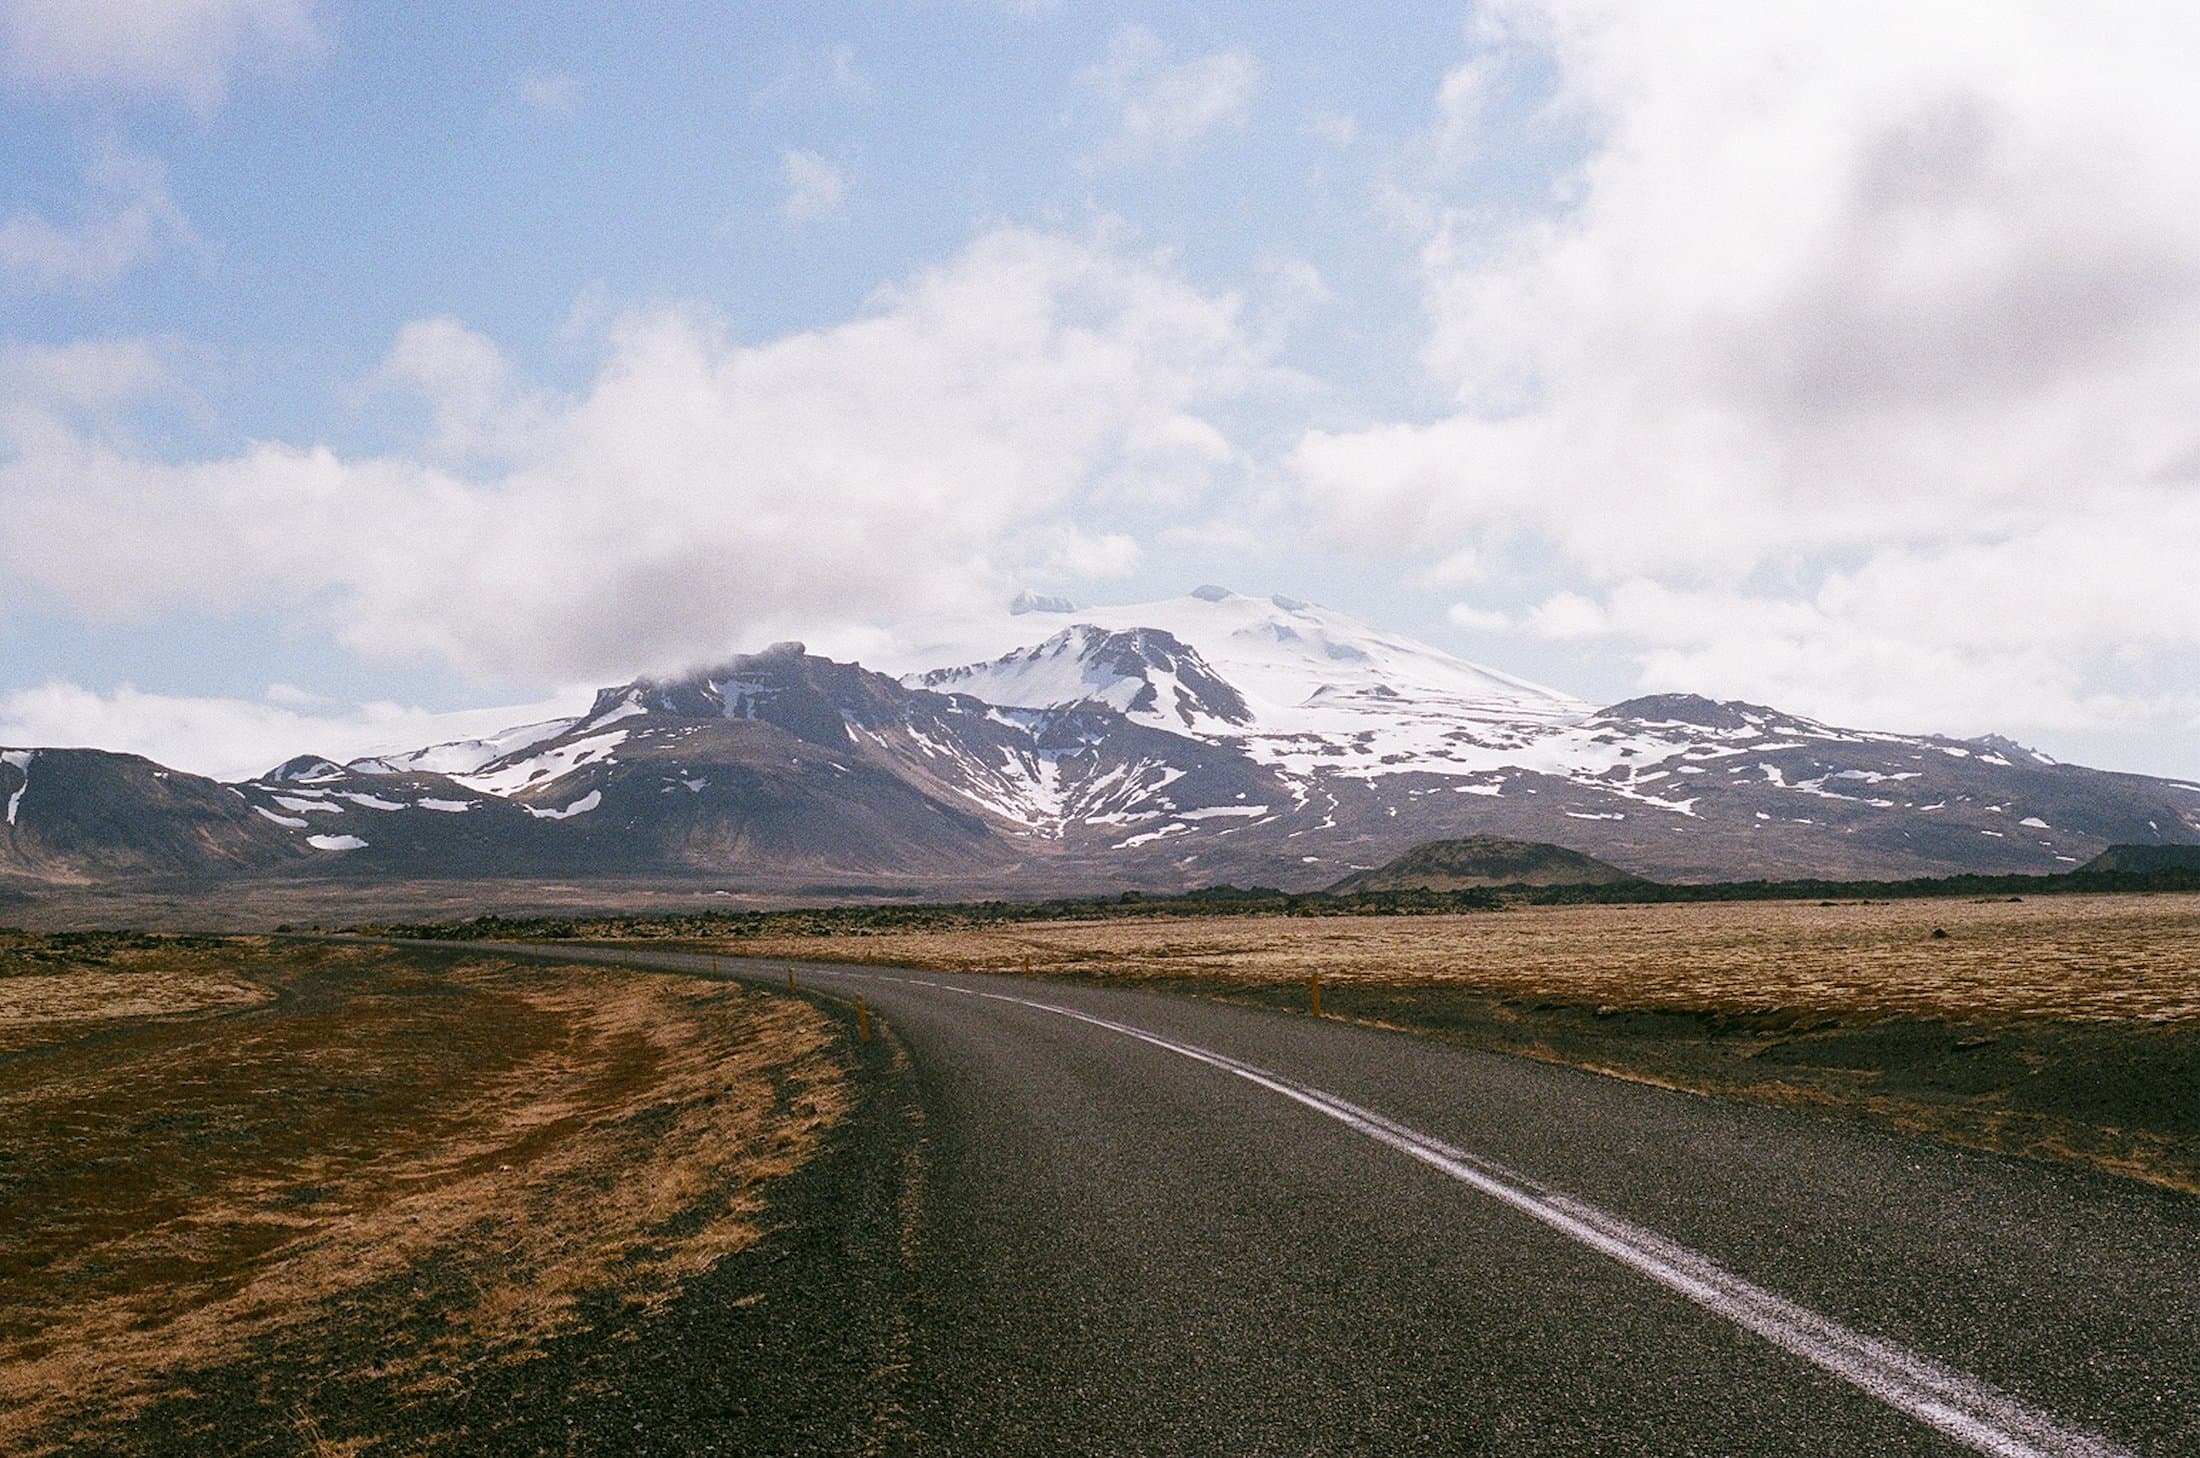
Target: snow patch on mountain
x=508 y=776
x=464 y=756
x=581 y=806
x=19 y=759
x=304 y=769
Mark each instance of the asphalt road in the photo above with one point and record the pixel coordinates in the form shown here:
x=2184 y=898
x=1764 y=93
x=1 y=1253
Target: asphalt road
x=1139 y=1224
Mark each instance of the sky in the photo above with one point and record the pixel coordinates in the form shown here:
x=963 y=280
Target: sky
x=371 y=373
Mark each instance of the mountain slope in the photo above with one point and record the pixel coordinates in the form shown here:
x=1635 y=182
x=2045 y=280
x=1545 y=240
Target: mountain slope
x=77 y=815
x=777 y=762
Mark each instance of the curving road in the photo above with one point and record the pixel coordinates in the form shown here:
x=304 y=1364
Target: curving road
x=1138 y=1224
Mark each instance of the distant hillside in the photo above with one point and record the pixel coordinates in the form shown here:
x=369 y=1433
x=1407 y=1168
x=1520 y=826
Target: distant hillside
x=1478 y=861
x=2142 y=860
x=87 y=815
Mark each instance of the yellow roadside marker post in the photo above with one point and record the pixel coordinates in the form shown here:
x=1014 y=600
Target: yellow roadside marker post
x=790 y=979
x=863 y=1022
x=1314 y=994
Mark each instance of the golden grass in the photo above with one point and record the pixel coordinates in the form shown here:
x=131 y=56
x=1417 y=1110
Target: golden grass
x=532 y=1138
x=2058 y=1028
x=29 y=1000
x=2081 y=958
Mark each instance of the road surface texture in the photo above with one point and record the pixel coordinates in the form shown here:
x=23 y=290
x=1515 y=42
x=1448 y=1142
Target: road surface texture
x=1135 y=1224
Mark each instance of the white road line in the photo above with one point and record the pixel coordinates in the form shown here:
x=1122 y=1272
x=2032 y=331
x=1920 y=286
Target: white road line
x=1962 y=1407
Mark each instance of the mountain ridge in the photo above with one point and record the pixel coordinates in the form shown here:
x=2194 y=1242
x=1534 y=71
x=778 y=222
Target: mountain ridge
x=1208 y=738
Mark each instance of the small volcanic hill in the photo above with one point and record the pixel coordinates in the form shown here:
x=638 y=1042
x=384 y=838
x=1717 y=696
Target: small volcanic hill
x=1478 y=861
x=2143 y=860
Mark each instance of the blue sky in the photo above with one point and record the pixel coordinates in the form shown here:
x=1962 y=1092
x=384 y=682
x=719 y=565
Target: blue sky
x=359 y=364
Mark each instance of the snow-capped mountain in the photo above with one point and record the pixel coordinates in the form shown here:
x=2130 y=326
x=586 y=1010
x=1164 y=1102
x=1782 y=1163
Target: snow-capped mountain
x=1142 y=673
x=1200 y=739
x=1299 y=682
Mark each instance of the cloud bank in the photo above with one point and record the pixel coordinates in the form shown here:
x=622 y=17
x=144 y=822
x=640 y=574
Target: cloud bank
x=187 y=50
x=1850 y=366
x=234 y=739
x=1014 y=411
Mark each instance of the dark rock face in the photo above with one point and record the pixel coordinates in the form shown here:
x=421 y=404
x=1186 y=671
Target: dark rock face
x=1730 y=717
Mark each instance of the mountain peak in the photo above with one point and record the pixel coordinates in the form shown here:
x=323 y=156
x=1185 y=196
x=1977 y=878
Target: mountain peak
x=811 y=697
x=303 y=769
x=2008 y=748
x=1146 y=674
x=1692 y=709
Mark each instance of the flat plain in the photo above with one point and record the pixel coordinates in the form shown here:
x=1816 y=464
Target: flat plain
x=2062 y=1028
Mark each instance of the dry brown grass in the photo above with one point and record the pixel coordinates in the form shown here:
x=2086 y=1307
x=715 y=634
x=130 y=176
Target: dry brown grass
x=2083 y=958
x=292 y=1137
x=32 y=1000
x=2065 y=1029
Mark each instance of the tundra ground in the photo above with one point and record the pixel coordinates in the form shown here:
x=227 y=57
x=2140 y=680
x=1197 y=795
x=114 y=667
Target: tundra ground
x=322 y=1199
x=2064 y=1028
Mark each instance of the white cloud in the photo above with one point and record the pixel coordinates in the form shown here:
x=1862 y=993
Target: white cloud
x=1160 y=107
x=128 y=218
x=830 y=74
x=1291 y=289
x=42 y=386
x=1888 y=313
x=189 y=49
x=237 y=738
x=477 y=408
x=1066 y=551
x=1336 y=128
x=1476 y=620
x=1464 y=101
x=548 y=93
x=815 y=185
x=1567 y=615
x=2074 y=624
x=1016 y=411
